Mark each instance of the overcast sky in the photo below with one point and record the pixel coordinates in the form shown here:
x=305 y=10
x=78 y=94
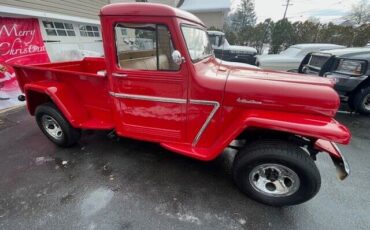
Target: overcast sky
x=325 y=10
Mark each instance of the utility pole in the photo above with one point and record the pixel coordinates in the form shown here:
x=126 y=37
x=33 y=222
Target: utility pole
x=286 y=7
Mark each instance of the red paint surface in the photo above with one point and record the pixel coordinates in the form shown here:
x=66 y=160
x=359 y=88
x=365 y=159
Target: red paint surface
x=247 y=97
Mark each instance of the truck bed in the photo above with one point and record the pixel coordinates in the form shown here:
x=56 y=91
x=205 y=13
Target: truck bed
x=74 y=81
x=90 y=66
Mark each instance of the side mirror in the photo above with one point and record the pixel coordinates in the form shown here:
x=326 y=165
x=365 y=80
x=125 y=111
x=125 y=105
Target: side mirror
x=177 y=58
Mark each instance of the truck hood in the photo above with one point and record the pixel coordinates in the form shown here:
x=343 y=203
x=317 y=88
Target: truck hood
x=349 y=52
x=288 y=92
x=275 y=58
x=246 y=49
x=242 y=49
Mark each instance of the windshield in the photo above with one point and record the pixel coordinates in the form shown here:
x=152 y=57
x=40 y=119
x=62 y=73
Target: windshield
x=291 y=51
x=197 y=43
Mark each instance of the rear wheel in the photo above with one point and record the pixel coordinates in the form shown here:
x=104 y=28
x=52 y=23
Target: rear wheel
x=53 y=124
x=361 y=101
x=276 y=173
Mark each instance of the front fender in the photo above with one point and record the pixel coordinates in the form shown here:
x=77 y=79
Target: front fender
x=236 y=122
x=336 y=155
x=314 y=126
x=64 y=98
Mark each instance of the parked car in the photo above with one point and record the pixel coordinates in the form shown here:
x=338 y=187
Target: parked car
x=237 y=64
x=289 y=59
x=224 y=51
x=179 y=95
x=349 y=68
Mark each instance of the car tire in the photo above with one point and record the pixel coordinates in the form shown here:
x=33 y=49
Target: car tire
x=361 y=101
x=55 y=126
x=262 y=165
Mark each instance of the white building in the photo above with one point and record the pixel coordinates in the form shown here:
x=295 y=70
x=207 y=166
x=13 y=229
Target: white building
x=69 y=28
x=211 y=12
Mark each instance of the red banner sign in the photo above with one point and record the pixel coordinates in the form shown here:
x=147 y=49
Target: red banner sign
x=21 y=43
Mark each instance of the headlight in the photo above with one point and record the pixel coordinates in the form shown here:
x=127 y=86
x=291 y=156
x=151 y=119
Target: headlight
x=350 y=67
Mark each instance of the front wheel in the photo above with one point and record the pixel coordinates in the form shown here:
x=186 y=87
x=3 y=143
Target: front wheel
x=361 y=101
x=276 y=173
x=55 y=126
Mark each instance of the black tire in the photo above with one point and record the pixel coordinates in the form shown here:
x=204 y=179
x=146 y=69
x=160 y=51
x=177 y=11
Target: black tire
x=69 y=135
x=276 y=152
x=360 y=102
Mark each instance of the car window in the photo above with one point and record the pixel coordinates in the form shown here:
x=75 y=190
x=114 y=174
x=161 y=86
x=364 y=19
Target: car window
x=197 y=42
x=144 y=47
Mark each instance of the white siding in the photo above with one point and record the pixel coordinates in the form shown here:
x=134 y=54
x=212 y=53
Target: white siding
x=80 y=8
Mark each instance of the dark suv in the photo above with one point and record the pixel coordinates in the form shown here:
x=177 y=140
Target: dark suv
x=350 y=70
x=232 y=53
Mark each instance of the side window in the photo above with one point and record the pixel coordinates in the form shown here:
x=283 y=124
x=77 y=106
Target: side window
x=144 y=47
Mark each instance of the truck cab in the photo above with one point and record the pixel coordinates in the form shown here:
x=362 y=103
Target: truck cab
x=160 y=81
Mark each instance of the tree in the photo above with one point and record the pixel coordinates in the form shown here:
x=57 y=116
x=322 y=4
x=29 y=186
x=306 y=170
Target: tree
x=336 y=34
x=282 y=35
x=362 y=35
x=214 y=28
x=261 y=34
x=360 y=13
x=243 y=19
x=305 y=32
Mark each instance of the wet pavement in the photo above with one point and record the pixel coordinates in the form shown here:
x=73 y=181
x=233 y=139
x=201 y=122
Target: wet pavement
x=106 y=182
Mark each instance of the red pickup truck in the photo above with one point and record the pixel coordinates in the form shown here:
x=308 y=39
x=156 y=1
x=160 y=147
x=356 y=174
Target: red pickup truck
x=160 y=82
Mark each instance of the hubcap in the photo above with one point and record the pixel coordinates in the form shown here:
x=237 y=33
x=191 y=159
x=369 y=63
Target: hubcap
x=367 y=102
x=52 y=127
x=274 y=180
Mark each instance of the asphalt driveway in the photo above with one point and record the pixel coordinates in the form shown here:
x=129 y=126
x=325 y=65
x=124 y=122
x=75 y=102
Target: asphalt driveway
x=111 y=183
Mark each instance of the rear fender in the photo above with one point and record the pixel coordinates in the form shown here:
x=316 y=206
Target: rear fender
x=65 y=99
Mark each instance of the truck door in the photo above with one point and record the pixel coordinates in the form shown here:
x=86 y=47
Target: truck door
x=150 y=88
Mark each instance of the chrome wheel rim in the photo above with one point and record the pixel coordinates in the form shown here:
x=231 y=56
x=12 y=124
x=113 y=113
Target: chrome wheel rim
x=367 y=102
x=52 y=127
x=274 y=180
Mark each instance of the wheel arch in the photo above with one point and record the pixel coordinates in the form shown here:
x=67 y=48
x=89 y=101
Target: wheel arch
x=34 y=99
x=362 y=85
x=61 y=96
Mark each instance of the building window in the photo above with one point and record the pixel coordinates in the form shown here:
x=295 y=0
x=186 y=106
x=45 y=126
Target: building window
x=89 y=31
x=59 y=29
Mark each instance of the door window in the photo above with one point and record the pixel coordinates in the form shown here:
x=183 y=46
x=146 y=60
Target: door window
x=144 y=47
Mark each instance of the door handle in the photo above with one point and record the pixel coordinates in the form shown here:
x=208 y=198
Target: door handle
x=119 y=75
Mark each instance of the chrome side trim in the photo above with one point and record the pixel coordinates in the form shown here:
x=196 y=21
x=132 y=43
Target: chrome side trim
x=119 y=75
x=216 y=106
x=149 y=98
